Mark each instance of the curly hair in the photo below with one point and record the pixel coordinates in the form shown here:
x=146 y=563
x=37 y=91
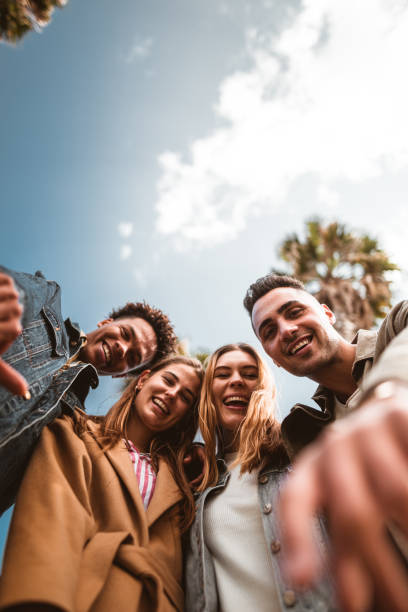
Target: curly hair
x=263 y=285
x=166 y=338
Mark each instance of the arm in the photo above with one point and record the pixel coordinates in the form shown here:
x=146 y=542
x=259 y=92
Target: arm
x=52 y=522
x=10 y=327
x=358 y=473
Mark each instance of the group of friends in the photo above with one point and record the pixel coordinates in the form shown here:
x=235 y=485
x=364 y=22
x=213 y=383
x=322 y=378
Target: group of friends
x=131 y=511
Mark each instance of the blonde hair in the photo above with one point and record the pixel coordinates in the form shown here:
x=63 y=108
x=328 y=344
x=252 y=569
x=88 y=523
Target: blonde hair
x=171 y=444
x=259 y=433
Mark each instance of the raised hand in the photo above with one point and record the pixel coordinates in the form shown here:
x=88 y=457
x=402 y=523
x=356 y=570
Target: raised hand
x=357 y=473
x=10 y=328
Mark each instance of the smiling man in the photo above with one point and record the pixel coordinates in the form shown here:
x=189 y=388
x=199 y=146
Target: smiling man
x=48 y=364
x=357 y=470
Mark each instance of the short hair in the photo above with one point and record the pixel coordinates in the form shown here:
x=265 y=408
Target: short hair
x=166 y=338
x=265 y=284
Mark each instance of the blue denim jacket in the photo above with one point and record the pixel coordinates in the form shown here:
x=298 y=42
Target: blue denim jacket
x=39 y=354
x=200 y=580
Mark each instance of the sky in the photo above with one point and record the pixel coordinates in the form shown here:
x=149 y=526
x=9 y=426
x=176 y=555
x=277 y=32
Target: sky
x=162 y=151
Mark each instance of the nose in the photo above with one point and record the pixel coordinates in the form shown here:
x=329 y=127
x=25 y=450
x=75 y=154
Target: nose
x=236 y=380
x=287 y=329
x=121 y=348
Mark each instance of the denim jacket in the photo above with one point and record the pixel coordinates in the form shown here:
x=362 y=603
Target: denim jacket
x=39 y=354
x=200 y=580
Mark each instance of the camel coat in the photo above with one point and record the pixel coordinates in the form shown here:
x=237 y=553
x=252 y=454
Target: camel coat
x=80 y=538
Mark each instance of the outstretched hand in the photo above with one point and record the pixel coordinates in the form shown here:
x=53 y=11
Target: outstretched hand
x=194 y=465
x=357 y=472
x=10 y=327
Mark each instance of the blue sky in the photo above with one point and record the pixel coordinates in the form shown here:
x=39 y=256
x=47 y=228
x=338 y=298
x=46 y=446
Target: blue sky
x=162 y=150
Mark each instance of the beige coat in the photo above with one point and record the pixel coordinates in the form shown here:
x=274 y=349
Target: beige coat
x=80 y=538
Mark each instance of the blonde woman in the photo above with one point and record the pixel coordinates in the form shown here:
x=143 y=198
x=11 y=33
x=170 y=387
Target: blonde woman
x=234 y=550
x=98 y=520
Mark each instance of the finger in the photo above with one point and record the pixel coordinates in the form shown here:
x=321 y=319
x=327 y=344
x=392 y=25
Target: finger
x=356 y=523
x=299 y=502
x=6 y=280
x=354 y=584
x=8 y=333
x=10 y=309
x=12 y=380
x=385 y=463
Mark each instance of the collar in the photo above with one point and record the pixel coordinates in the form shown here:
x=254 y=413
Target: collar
x=76 y=336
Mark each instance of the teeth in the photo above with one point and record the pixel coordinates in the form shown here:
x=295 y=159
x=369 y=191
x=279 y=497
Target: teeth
x=299 y=345
x=161 y=405
x=107 y=353
x=235 y=398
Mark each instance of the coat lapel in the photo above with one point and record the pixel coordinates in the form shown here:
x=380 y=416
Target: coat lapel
x=166 y=493
x=120 y=460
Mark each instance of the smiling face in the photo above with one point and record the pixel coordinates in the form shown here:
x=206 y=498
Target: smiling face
x=165 y=397
x=235 y=378
x=120 y=345
x=296 y=331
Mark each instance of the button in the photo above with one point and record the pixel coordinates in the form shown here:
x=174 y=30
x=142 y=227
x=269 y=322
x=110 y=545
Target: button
x=275 y=546
x=263 y=479
x=267 y=508
x=289 y=598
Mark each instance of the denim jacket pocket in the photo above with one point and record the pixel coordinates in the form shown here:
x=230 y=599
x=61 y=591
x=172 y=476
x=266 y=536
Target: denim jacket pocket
x=56 y=331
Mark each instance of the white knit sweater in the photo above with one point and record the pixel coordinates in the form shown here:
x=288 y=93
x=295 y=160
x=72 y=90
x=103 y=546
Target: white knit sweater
x=234 y=535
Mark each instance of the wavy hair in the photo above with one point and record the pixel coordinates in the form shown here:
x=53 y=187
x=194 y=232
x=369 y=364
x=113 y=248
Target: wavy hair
x=259 y=432
x=171 y=444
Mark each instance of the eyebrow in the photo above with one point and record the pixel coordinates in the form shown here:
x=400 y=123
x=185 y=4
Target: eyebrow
x=178 y=380
x=280 y=310
x=243 y=367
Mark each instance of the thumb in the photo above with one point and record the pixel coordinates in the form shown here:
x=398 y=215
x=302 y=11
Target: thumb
x=12 y=380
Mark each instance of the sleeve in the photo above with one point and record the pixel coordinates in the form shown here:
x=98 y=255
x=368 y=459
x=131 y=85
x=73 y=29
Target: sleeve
x=52 y=522
x=391 y=356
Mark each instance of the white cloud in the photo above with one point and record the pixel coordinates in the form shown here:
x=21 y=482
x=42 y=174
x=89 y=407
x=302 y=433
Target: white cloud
x=125 y=251
x=140 y=277
x=125 y=229
x=140 y=50
x=327 y=99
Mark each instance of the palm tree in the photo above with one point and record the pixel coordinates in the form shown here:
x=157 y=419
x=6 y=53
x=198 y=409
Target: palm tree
x=17 y=17
x=344 y=270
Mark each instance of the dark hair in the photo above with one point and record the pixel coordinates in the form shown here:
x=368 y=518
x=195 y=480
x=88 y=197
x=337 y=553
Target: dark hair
x=166 y=338
x=265 y=284
x=171 y=444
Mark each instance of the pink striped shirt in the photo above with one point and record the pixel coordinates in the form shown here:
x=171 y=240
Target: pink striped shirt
x=145 y=474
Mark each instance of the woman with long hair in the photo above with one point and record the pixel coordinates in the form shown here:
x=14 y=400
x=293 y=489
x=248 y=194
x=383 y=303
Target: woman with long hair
x=98 y=520
x=232 y=558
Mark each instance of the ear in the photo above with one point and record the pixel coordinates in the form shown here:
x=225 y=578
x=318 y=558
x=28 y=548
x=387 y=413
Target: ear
x=142 y=379
x=329 y=314
x=104 y=322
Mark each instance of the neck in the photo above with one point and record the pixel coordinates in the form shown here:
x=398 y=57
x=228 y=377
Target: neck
x=139 y=434
x=337 y=375
x=230 y=440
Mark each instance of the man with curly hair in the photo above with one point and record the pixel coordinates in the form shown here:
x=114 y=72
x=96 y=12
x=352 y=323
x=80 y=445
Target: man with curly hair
x=48 y=364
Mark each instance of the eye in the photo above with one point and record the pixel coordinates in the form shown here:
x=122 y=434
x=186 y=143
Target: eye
x=295 y=312
x=251 y=376
x=168 y=380
x=221 y=375
x=185 y=397
x=124 y=332
x=269 y=333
